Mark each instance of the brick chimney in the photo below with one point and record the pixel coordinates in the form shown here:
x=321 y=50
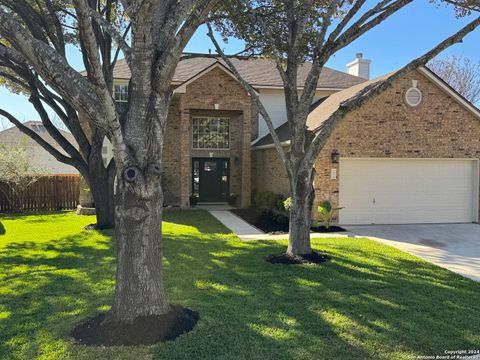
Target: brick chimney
x=360 y=67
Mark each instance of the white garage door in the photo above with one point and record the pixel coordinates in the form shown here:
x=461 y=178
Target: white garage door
x=402 y=191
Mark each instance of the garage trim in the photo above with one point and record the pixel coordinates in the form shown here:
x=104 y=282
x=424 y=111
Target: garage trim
x=475 y=180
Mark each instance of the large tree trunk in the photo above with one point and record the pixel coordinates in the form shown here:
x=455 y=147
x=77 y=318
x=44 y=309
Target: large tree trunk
x=102 y=188
x=302 y=193
x=139 y=287
x=101 y=181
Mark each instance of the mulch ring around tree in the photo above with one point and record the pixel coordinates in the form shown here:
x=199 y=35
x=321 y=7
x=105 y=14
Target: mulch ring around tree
x=146 y=330
x=288 y=259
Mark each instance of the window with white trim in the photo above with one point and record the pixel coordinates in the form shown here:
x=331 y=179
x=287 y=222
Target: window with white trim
x=120 y=93
x=211 y=133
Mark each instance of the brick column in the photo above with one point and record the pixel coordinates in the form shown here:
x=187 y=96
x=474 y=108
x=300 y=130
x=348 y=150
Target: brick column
x=184 y=147
x=246 y=158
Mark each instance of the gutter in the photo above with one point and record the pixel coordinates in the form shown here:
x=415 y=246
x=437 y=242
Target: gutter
x=270 y=146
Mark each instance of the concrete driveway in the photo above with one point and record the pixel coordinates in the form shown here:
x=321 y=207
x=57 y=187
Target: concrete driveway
x=455 y=247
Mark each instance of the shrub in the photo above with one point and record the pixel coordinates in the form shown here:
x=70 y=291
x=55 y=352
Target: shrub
x=267 y=200
x=325 y=212
x=287 y=204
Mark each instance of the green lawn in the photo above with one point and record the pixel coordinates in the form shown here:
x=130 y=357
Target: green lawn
x=369 y=302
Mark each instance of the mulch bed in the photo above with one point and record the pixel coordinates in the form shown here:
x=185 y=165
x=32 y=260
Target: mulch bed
x=146 y=330
x=265 y=222
x=331 y=229
x=287 y=259
x=261 y=220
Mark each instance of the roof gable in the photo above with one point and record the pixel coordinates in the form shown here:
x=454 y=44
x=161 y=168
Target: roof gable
x=182 y=88
x=323 y=111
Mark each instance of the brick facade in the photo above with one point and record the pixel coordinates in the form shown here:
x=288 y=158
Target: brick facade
x=386 y=127
x=214 y=94
x=268 y=172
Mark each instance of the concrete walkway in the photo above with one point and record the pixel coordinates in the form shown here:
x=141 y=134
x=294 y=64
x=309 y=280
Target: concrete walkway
x=455 y=247
x=245 y=231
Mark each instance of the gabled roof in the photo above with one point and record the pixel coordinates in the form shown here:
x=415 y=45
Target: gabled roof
x=323 y=111
x=13 y=134
x=334 y=101
x=260 y=73
x=182 y=88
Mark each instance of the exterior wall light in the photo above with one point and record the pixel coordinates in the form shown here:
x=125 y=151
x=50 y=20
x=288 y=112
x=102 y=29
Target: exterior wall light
x=335 y=156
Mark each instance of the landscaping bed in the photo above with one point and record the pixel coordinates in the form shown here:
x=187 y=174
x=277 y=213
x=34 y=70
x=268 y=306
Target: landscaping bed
x=274 y=223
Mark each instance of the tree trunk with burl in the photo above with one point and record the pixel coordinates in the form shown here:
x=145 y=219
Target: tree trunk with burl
x=159 y=31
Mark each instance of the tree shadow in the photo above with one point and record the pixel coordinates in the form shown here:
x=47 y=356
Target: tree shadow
x=2 y=229
x=368 y=302
x=46 y=288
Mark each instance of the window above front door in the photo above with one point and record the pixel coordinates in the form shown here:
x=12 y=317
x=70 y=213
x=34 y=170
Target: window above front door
x=211 y=133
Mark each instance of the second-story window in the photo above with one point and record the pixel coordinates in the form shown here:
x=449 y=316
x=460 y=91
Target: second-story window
x=211 y=133
x=120 y=93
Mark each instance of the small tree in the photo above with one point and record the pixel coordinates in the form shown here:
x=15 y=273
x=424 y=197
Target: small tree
x=17 y=172
x=460 y=73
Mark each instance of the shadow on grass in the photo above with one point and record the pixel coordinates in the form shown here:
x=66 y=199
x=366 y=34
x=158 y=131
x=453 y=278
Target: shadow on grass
x=2 y=229
x=370 y=301
x=48 y=287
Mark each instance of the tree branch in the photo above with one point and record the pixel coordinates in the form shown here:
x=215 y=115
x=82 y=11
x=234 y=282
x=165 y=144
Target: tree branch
x=253 y=94
x=355 y=102
x=54 y=68
x=38 y=139
x=116 y=36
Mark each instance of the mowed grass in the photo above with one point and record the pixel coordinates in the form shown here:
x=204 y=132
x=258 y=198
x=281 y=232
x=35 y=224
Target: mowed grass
x=369 y=302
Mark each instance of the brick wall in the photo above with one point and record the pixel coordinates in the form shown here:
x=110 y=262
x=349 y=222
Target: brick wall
x=386 y=127
x=215 y=87
x=268 y=172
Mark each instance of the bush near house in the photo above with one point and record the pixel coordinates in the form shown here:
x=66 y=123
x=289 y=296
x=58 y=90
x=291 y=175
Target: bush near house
x=267 y=200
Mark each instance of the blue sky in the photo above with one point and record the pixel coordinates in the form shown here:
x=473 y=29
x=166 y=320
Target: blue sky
x=406 y=35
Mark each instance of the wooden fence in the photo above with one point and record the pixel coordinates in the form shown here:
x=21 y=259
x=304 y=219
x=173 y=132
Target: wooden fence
x=50 y=193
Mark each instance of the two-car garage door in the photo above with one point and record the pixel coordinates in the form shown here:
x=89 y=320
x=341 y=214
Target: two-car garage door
x=402 y=191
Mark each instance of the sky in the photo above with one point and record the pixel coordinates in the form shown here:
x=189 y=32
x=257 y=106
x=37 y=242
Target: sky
x=406 y=35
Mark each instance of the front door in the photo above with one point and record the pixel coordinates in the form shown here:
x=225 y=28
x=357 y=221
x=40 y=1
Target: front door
x=210 y=181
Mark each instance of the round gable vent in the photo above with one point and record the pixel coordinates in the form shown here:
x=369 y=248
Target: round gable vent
x=413 y=96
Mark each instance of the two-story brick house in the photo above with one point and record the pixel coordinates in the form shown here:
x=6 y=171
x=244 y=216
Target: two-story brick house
x=408 y=155
x=212 y=124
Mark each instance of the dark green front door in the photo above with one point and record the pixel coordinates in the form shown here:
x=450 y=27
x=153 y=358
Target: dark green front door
x=210 y=180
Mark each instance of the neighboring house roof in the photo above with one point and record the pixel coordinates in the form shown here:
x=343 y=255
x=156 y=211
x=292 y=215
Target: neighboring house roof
x=40 y=156
x=330 y=105
x=260 y=73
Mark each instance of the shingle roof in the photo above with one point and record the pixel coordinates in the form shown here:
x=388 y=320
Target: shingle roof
x=334 y=101
x=322 y=112
x=257 y=72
